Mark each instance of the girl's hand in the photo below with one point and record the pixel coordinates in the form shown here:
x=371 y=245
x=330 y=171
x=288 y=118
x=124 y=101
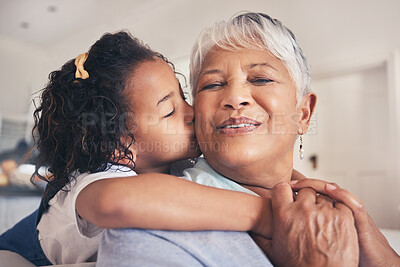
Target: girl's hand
x=374 y=248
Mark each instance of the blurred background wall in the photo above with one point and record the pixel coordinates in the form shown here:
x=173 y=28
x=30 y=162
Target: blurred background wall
x=352 y=46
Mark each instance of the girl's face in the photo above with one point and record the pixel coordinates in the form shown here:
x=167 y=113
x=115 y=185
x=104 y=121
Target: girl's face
x=163 y=121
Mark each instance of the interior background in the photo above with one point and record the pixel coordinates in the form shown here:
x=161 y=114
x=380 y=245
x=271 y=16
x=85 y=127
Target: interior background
x=353 y=48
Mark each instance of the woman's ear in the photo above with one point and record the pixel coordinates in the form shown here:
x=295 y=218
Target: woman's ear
x=306 y=109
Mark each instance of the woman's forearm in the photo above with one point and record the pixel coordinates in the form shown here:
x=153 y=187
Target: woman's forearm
x=160 y=201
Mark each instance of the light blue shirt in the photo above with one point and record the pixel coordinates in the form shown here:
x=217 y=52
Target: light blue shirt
x=203 y=173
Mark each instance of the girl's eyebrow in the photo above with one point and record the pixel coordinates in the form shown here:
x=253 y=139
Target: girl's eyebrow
x=165 y=98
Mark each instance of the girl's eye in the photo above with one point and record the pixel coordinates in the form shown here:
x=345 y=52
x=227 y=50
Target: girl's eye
x=170 y=114
x=212 y=86
x=261 y=81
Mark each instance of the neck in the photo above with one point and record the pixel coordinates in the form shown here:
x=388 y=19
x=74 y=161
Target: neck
x=260 y=175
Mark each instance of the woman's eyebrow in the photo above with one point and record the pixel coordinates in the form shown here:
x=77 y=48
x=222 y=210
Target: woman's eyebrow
x=165 y=98
x=260 y=64
x=209 y=72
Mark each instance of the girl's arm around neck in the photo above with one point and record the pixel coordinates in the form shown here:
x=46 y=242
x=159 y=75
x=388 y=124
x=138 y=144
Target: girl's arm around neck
x=165 y=202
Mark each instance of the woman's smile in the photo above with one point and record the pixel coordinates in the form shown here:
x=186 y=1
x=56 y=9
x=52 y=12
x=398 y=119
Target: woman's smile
x=237 y=126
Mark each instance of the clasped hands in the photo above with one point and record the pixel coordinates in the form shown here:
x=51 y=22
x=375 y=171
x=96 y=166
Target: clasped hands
x=323 y=225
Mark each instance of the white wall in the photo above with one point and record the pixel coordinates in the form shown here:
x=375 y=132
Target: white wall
x=22 y=70
x=393 y=68
x=350 y=136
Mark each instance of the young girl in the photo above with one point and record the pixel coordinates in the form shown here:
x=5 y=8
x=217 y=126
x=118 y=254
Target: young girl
x=110 y=113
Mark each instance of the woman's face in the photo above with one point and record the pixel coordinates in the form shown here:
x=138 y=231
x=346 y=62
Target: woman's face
x=163 y=130
x=246 y=115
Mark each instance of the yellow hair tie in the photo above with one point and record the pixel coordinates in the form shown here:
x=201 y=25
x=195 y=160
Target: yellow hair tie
x=80 y=70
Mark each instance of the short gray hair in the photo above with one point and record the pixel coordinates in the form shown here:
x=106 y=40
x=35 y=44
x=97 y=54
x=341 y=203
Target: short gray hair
x=253 y=31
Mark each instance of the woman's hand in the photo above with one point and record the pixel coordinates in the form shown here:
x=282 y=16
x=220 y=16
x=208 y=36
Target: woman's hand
x=310 y=231
x=374 y=248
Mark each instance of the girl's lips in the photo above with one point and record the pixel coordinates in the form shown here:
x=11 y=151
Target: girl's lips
x=234 y=126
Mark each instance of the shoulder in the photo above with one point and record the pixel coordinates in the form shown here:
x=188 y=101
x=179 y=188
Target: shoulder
x=202 y=173
x=112 y=171
x=198 y=248
x=80 y=180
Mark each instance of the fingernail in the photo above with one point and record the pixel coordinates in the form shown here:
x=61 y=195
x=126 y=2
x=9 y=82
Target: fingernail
x=330 y=187
x=356 y=202
x=293 y=182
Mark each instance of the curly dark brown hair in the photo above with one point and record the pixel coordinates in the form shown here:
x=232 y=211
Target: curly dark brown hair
x=83 y=125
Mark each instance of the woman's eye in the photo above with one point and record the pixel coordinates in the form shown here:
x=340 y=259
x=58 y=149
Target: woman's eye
x=170 y=114
x=212 y=86
x=260 y=81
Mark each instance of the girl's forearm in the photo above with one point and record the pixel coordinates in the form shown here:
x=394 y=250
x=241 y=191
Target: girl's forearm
x=160 y=201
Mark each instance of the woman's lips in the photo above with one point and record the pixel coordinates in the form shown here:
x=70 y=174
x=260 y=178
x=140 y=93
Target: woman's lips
x=235 y=126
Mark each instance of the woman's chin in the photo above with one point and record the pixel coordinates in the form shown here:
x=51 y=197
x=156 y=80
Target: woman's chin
x=233 y=159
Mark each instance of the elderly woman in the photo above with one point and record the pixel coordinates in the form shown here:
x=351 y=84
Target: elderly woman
x=251 y=85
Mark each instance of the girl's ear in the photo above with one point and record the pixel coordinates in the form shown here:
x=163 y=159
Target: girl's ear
x=306 y=109
x=126 y=161
x=134 y=151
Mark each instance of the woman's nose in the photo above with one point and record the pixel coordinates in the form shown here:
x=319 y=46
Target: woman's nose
x=236 y=96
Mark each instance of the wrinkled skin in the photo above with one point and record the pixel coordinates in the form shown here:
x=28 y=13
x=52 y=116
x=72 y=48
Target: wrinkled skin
x=374 y=248
x=310 y=231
